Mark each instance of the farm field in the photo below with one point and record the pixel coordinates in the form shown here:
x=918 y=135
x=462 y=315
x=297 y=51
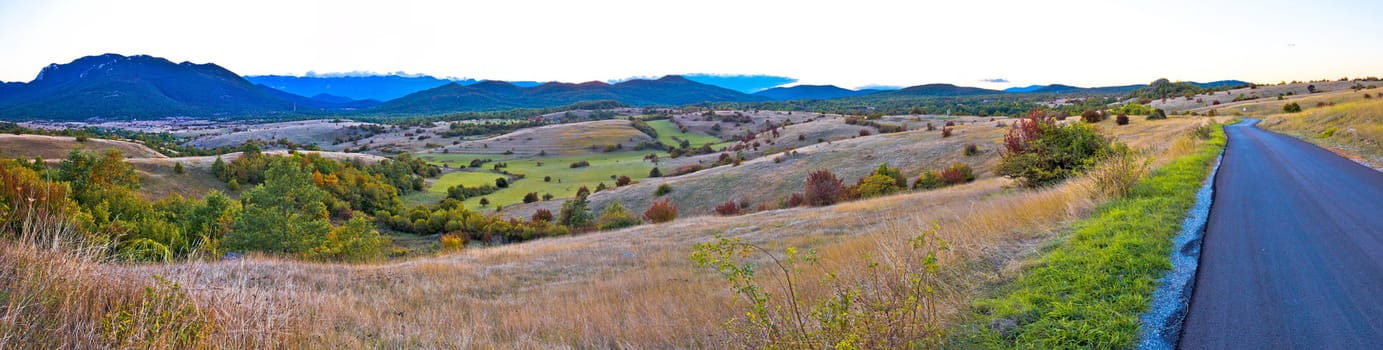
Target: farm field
x=565 y=179
x=668 y=134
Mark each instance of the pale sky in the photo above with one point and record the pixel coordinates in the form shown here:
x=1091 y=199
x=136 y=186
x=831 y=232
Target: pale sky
x=847 y=43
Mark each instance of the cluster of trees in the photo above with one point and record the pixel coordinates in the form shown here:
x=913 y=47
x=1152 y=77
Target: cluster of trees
x=452 y=218
x=466 y=128
x=823 y=187
x=353 y=185
x=95 y=194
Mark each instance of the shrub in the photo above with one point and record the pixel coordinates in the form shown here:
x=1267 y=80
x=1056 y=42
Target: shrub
x=795 y=200
x=547 y=178
x=728 y=208
x=950 y=123
x=601 y=187
x=575 y=214
x=1367 y=96
x=1291 y=108
x=823 y=188
x=623 y=181
x=655 y=172
x=1158 y=114
x=1090 y=116
x=501 y=182
x=542 y=215
x=580 y=164
x=1041 y=153
x=970 y=150
x=177 y=168
x=946 y=132
x=616 y=217
x=876 y=185
x=864 y=132
x=958 y=173
x=530 y=197
x=484 y=201
x=1121 y=120
x=547 y=196
x=452 y=242
x=662 y=190
x=661 y=211
x=929 y=179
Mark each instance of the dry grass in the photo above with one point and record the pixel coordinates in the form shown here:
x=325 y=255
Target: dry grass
x=56 y=147
x=628 y=288
x=1354 y=129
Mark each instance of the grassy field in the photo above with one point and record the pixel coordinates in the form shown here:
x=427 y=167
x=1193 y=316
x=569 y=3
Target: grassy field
x=565 y=179
x=1089 y=290
x=56 y=147
x=633 y=288
x=668 y=134
x=1353 y=128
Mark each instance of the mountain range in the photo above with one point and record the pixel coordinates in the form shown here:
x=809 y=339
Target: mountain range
x=118 y=87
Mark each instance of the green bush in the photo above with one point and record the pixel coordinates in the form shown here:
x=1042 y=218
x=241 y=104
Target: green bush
x=1291 y=108
x=616 y=217
x=1158 y=114
x=929 y=179
x=662 y=190
x=1042 y=153
x=575 y=213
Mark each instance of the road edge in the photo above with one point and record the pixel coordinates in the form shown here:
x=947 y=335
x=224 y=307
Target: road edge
x=1161 y=325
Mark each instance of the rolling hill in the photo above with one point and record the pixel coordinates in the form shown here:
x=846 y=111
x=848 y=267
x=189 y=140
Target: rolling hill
x=498 y=95
x=811 y=92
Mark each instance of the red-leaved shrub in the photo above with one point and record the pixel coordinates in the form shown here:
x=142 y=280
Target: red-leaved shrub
x=823 y=188
x=661 y=211
x=795 y=200
x=728 y=208
x=543 y=215
x=958 y=173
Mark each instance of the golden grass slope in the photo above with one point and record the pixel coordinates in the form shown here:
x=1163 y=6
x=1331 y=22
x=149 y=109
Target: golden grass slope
x=1353 y=128
x=56 y=147
x=560 y=139
x=628 y=288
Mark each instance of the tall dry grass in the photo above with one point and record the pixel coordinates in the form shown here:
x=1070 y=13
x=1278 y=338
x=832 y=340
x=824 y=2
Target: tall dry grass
x=629 y=288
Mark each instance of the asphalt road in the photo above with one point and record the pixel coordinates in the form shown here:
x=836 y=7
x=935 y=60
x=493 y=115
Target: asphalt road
x=1293 y=252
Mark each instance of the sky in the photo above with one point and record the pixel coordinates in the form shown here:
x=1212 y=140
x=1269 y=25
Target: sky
x=984 y=43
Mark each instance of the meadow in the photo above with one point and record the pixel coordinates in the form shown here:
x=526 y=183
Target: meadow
x=564 y=183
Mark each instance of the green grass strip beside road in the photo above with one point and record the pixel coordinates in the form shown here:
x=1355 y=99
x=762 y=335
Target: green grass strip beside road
x=1089 y=291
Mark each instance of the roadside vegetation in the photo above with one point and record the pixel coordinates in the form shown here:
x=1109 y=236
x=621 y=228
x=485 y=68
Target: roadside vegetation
x=1353 y=127
x=1088 y=291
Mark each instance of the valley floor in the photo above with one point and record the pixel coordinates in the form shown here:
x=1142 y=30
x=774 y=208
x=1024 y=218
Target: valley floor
x=629 y=288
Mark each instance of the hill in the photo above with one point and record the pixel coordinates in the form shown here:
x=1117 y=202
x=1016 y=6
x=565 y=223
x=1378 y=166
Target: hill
x=362 y=87
x=56 y=147
x=810 y=92
x=497 y=95
x=743 y=83
x=115 y=86
x=939 y=90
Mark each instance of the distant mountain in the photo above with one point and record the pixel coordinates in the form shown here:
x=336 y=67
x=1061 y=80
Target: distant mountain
x=116 y=86
x=743 y=83
x=811 y=92
x=364 y=87
x=1029 y=88
x=496 y=95
x=939 y=90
